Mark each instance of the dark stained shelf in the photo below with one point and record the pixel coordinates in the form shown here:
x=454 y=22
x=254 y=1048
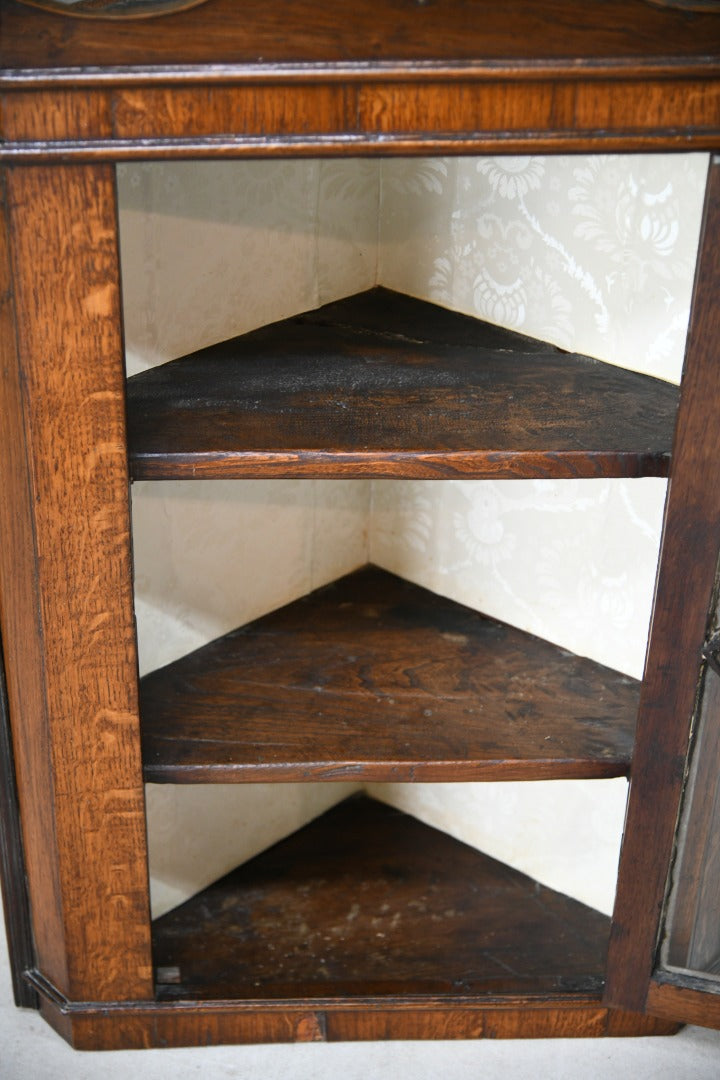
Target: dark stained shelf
x=375 y=678
x=381 y=384
x=366 y=901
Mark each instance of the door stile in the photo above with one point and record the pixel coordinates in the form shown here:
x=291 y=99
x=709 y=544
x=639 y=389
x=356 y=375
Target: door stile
x=681 y=618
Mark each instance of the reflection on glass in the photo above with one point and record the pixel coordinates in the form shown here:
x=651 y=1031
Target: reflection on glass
x=692 y=930
x=113 y=8
x=689 y=5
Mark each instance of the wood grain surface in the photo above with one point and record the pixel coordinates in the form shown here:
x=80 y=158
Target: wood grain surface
x=381 y=384
x=694 y=1001
x=681 y=621
x=365 y=924
x=368 y=901
x=376 y=678
x=65 y=576
x=525 y=76
x=525 y=35
x=126 y=1026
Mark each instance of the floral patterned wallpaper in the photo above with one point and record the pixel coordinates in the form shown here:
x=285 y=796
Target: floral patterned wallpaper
x=593 y=253
x=597 y=255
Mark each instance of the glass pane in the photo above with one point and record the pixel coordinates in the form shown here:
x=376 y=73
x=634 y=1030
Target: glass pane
x=692 y=929
x=690 y=5
x=113 y=8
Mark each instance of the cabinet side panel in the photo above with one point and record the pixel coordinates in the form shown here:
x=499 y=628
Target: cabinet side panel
x=22 y=641
x=688 y=561
x=77 y=740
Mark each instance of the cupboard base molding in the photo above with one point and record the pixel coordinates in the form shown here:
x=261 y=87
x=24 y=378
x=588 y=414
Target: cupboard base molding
x=146 y=1025
x=351 y=995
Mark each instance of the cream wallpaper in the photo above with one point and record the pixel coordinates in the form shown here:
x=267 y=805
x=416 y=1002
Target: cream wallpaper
x=592 y=253
x=210 y=251
x=595 y=254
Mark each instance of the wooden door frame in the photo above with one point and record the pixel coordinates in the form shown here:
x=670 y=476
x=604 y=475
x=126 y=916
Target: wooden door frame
x=680 y=626
x=16 y=905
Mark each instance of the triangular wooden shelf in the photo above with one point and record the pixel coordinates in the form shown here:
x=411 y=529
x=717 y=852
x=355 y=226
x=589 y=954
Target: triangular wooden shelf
x=368 y=901
x=381 y=384
x=375 y=678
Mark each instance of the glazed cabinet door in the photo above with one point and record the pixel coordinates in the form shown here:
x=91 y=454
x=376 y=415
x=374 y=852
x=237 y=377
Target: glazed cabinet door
x=664 y=955
x=687 y=977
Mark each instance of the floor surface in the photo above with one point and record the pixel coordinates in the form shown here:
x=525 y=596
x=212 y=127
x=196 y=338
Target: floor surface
x=30 y=1050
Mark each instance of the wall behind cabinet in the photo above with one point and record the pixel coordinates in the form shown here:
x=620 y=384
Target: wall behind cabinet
x=595 y=254
x=210 y=251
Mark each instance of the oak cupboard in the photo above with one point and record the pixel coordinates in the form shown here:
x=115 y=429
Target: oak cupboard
x=471 y=947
